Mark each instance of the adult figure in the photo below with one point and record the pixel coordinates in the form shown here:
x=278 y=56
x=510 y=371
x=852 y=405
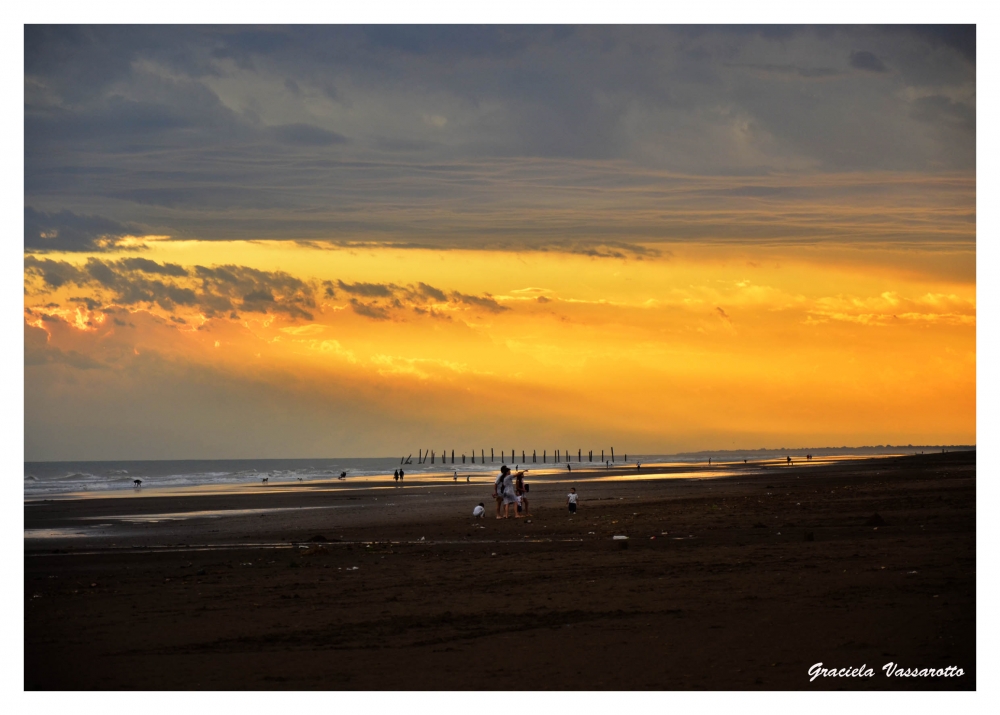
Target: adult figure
x=395 y=476
x=510 y=494
x=400 y=475
x=498 y=487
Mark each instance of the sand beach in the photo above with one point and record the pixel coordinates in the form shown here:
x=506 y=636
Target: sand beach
x=737 y=578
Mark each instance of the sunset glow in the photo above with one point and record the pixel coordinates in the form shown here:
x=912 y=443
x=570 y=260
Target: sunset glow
x=365 y=241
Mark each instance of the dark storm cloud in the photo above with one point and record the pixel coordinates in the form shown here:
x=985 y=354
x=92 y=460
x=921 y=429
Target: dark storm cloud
x=367 y=289
x=67 y=231
x=216 y=290
x=467 y=136
x=486 y=301
x=147 y=266
x=388 y=301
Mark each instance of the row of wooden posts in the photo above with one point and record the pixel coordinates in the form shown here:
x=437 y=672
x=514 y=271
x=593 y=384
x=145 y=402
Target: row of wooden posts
x=557 y=456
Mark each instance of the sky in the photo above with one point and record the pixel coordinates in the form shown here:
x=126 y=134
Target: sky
x=364 y=241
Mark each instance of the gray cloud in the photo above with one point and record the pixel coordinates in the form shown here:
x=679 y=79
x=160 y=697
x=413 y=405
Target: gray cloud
x=388 y=301
x=305 y=135
x=865 y=60
x=217 y=290
x=67 y=231
x=507 y=137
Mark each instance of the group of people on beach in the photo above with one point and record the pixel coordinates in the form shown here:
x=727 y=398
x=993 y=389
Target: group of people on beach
x=509 y=490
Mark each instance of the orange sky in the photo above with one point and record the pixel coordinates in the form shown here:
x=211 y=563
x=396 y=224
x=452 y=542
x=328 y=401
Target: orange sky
x=374 y=351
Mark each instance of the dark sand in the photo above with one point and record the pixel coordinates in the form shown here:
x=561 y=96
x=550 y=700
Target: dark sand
x=729 y=594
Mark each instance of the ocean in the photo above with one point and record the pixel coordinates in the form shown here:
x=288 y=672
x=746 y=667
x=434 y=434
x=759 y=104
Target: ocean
x=43 y=479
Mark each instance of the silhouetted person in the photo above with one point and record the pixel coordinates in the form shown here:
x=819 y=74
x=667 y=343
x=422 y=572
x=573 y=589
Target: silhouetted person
x=400 y=475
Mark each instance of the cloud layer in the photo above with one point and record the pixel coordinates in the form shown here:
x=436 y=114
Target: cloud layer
x=497 y=137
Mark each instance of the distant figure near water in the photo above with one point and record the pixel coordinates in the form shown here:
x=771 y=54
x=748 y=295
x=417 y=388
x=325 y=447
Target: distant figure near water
x=264 y=480
x=400 y=475
x=637 y=466
x=137 y=483
x=569 y=468
x=788 y=460
x=395 y=476
x=343 y=475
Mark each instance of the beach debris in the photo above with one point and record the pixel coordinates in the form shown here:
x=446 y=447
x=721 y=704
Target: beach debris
x=908 y=573
x=421 y=538
x=93 y=585
x=351 y=568
x=619 y=537
x=493 y=554
x=875 y=520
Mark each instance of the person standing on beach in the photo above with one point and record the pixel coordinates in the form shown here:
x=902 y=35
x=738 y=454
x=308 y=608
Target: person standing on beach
x=498 y=487
x=395 y=476
x=400 y=475
x=569 y=467
x=509 y=495
x=571 y=500
x=455 y=478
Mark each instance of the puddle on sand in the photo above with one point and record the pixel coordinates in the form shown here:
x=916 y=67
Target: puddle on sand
x=210 y=514
x=59 y=533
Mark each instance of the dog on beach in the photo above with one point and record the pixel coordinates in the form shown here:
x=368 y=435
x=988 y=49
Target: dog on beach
x=137 y=483
x=264 y=480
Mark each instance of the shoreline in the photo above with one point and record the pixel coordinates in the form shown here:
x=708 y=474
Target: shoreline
x=651 y=471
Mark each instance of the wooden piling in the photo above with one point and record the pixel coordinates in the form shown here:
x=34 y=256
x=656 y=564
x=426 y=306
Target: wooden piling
x=452 y=456
x=432 y=456
x=534 y=456
x=543 y=456
x=491 y=455
x=612 y=454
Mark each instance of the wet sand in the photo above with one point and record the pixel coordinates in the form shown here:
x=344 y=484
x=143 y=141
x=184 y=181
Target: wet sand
x=727 y=582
